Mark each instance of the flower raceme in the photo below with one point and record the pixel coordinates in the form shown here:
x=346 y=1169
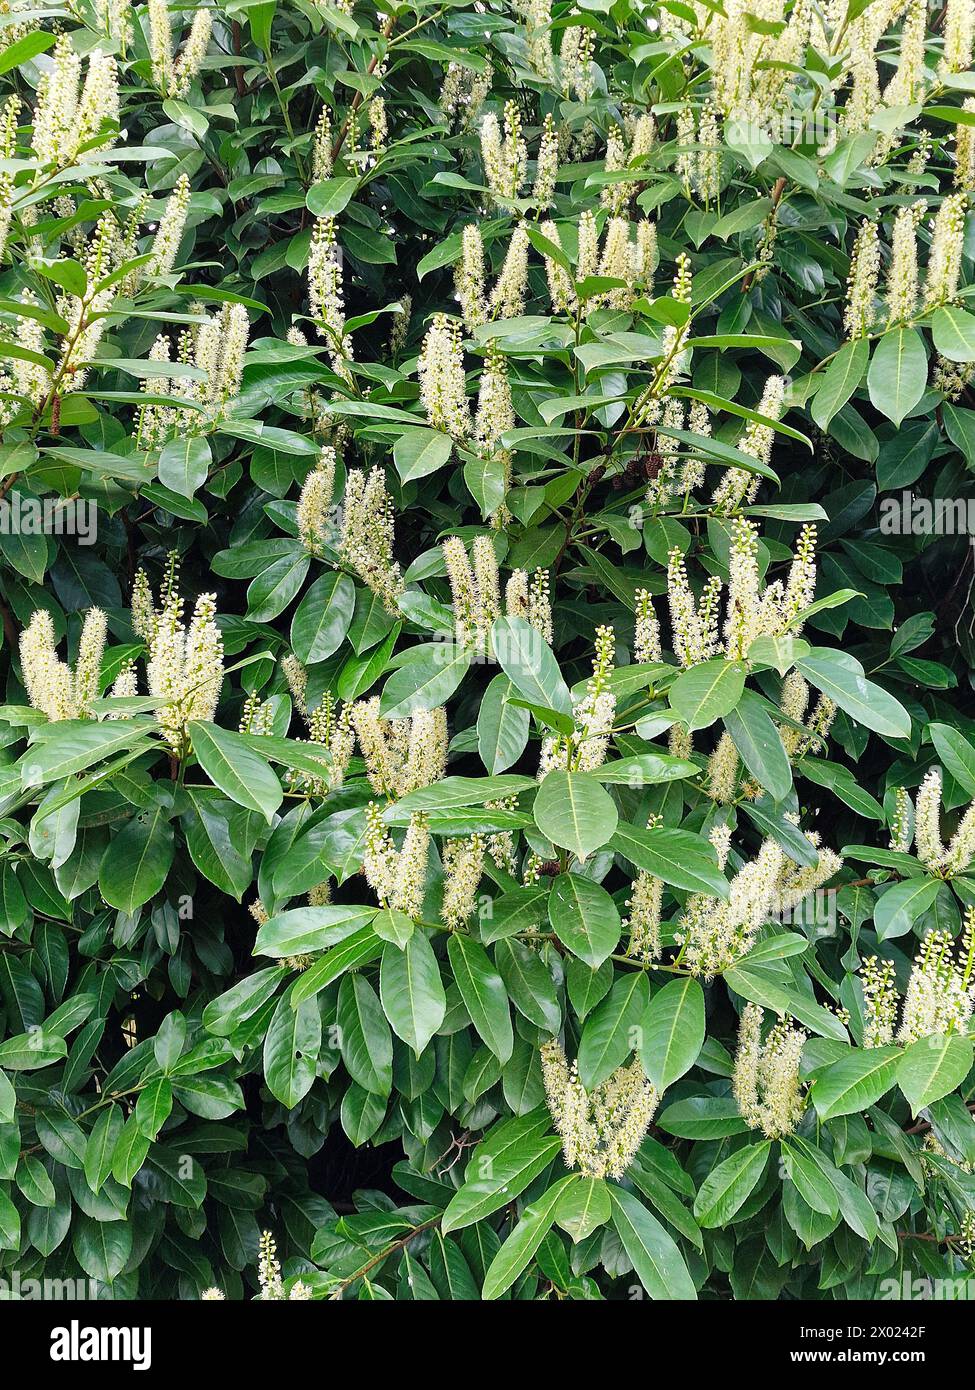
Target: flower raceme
x=752 y=611
x=714 y=933
x=766 y=1085
x=53 y=687
x=184 y=665
x=475 y=591
x=601 y=1129
x=940 y=991
x=943 y=861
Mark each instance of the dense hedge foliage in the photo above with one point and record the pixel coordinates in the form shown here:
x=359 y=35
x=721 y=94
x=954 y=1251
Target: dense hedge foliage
x=485 y=584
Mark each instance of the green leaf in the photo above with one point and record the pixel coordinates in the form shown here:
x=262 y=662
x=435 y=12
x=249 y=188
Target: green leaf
x=426 y=680
x=138 y=860
x=322 y=618
x=502 y=728
x=677 y=857
x=412 y=991
x=612 y=1032
x=235 y=768
x=130 y=1152
x=810 y=1180
x=575 y=812
x=72 y=745
x=291 y=1048
x=419 y=452
x=759 y=745
x=584 y=1207
x=101 y=1146
x=500 y=1168
x=527 y=661
x=932 y=1067
x=953 y=332
x=762 y=986
x=842 y=678
x=898 y=373
x=330 y=196
x=184 y=464
x=956 y=753
x=707 y=692
x=30 y=1051
x=900 y=905
x=584 y=918
x=841 y=378
x=303 y=929
x=673 y=1032
x=483 y=992
x=656 y=1258
x=361 y=948
x=365 y=1039
x=102 y=1248
x=728 y=1186
x=848 y=1086
x=154 y=1106
x=519 y=1249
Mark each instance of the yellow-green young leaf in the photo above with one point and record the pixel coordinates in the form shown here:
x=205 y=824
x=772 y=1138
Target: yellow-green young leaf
x=656 y=1258
x=932 y=1067
x=574 y=812
x=672 y=1033
x=518 y=1250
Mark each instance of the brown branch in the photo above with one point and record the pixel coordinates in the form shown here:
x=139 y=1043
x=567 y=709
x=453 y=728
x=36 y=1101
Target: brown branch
x=238 y=70
x=385 y=32
x=777 y=190
x=384 y=1254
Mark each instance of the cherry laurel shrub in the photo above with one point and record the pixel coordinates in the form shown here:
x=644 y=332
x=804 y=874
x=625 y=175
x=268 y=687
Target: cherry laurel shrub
x=484 y=574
